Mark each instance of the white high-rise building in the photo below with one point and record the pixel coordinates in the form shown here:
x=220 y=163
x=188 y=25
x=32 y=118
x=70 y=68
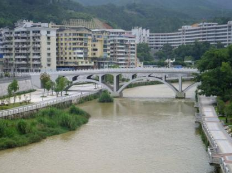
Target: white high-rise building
x=203 y=32
x=28 y=47
x=141 y=35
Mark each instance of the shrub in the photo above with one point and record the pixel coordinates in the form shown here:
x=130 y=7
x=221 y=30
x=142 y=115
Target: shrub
x=23 y=127
x=76 y=110
x=3 y=127
x=105 y=97
x=67 y=122
x=47 y=122
x=10 y=132
x=88 y=98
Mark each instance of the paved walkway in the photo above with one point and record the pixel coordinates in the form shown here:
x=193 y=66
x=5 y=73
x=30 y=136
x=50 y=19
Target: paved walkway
x=35 y=97
x=218 y=137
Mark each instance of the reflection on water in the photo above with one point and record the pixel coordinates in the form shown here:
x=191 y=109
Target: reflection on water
x=127 y=136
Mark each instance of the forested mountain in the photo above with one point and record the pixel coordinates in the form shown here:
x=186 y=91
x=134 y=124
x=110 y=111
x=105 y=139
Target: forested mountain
x=157 y=17
x=227 y=4
x=177 y=4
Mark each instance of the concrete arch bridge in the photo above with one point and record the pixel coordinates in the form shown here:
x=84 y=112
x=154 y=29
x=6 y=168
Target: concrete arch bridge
x=162 y=75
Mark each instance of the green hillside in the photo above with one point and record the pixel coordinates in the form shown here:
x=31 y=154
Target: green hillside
x=155 y=17
x=177 y=4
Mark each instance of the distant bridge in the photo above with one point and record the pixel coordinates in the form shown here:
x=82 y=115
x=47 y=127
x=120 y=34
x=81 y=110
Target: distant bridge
x=134 y=75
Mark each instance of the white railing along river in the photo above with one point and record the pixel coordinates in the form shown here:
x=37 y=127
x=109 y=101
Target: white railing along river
x=42 y=104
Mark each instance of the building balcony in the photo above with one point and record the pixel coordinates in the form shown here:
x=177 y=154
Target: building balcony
x=22 y=51
x=36 y=62
x=36 y=34
x=8 y=41
x=36 y=50
x=36 y=40
x=36 y=57
x=36 y=46
x=7 y=51
x=20 y=57
x=21 y=62
x=22 y=40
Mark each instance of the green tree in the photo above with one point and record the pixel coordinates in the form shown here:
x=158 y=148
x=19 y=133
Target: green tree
x=44 y=78
x=213 y=59
x=228 y=111
x=165 y=53
x=216 y=73
x=13 y=87
x=144 y=52
x=48 y=85
x=69 y=84
x=61 y=83
x=220 y=106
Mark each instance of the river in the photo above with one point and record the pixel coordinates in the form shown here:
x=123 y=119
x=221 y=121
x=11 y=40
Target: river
x=131 y=135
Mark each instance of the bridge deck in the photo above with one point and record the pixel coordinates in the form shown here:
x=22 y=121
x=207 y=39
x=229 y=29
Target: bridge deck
x=216 y=132
x=126 y=70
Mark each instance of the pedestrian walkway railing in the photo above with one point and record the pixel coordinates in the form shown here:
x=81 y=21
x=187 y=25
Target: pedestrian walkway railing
x=42 y=104
x=224 y=166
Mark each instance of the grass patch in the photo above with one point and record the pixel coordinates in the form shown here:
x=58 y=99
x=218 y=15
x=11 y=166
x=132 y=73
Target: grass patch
x=203 y=137
x=45 y=123
x=19 y=93
x=10 y=106
x=88 y=98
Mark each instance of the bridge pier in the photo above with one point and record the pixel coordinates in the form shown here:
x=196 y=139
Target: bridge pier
x=116 y=83
x=180 y=95
x=116 y=94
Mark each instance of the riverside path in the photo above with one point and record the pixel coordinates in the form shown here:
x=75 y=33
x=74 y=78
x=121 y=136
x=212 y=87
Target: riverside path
x=220 y=149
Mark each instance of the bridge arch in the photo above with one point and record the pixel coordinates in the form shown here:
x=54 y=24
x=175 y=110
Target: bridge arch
x=152 y=78
x=191 y=86
x=91 y=81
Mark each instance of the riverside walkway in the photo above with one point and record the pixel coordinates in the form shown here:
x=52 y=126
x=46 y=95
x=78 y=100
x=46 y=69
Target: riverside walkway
x=220 y=150
x=43 y=104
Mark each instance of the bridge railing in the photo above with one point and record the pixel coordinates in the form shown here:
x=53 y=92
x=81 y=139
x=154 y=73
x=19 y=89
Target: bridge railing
x=43 y=104
x=121 y=70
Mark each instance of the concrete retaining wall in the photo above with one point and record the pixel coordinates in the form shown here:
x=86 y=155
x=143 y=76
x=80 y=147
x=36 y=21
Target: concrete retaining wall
x=24 y=85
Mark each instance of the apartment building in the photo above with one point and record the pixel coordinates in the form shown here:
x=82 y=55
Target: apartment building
x=123 y=50
x=121 y=46
x=74 y=48
x=29 y=47
x=203 y=32
x=141 y=35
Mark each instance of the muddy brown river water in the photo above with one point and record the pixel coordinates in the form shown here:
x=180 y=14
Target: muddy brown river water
x=131 y=135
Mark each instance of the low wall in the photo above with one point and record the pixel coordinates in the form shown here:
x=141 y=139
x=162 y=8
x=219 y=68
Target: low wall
x=24 y=84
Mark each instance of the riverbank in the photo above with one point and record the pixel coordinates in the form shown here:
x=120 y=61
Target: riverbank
x=45 y=123
x=137 y=84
